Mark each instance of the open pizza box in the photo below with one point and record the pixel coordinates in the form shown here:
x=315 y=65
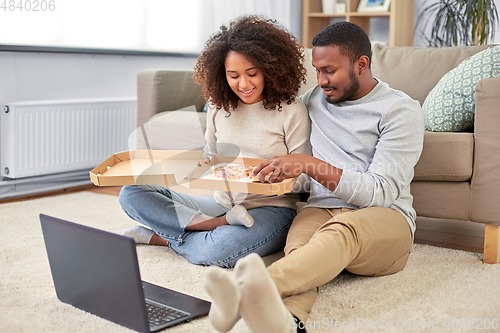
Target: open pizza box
x=169 y=168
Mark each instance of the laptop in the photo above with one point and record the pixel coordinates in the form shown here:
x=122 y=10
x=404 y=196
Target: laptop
x=98 y=272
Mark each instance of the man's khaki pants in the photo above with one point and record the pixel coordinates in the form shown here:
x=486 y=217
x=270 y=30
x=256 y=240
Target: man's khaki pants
x=322 y=243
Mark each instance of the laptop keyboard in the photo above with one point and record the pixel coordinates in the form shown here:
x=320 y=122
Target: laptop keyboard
x=158 y=316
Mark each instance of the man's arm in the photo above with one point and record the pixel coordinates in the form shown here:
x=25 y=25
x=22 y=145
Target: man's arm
x=389 y=172
x=291 y=166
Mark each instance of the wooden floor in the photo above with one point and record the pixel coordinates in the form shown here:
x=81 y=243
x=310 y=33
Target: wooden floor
x=460 y=235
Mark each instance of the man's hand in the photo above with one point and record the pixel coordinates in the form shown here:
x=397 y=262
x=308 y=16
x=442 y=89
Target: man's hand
x=280 y=168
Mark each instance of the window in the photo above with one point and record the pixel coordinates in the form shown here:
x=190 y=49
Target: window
x=132 y=25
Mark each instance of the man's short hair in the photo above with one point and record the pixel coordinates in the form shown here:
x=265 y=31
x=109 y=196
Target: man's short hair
x=352 y=40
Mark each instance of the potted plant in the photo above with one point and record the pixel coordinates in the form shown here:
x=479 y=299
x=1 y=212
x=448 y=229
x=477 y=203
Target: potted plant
x=458 y=22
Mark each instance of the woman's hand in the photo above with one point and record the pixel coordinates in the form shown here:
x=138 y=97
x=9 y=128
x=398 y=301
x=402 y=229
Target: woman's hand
x=207 y=160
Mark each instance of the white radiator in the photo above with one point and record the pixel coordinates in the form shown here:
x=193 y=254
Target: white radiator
x=49 y=137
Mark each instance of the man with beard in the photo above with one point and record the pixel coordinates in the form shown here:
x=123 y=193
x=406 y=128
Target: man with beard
x=366 y=139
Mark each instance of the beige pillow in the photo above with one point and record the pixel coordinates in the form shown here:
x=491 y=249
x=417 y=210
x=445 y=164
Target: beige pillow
x=416 y=70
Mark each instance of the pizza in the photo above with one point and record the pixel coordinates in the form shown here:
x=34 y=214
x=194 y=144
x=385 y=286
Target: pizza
x=232 y=172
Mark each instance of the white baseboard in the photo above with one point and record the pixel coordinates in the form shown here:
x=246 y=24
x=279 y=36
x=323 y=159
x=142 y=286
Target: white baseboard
x=17 y=188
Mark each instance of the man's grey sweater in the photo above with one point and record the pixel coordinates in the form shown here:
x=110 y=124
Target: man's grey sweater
x=376 y=140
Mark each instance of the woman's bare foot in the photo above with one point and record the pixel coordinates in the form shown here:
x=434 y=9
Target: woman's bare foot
x=206 y=223
x=157 y=240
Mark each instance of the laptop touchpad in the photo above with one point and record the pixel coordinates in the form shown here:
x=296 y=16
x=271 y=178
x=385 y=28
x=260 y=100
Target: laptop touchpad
x=150 y=288
x=172 y=298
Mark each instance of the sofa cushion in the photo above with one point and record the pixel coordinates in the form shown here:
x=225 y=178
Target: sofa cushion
x=443 y=200
x=416 y=70
x=446 y=157
x=175 y=130
x=166 y=90
x=451 y=103
x=311 y=79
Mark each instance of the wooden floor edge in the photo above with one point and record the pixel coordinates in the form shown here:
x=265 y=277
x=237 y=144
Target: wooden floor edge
x=491 y=244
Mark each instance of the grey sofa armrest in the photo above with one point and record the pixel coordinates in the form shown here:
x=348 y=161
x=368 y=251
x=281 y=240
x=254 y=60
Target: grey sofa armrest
x=165 y=90
x=485 y=183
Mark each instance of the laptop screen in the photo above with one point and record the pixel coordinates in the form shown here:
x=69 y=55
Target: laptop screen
x=96 y=271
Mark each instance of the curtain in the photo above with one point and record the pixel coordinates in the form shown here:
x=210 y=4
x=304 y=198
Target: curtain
x=225 y=10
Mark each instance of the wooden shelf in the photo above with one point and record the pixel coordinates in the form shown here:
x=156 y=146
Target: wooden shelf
x=367 y=14
x=400 y=17
x=326 y=15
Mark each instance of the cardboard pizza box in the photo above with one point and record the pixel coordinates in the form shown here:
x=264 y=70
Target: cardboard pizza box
x=200 y=179
x=147 y=167
x=169 y=168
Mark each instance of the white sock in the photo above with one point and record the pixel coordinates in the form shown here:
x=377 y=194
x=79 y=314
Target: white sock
x=140 y=234
x=225 y=295
x=238 y=215
x=261 y=305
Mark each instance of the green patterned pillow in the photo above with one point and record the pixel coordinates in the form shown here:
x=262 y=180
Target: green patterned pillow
x=450 y=105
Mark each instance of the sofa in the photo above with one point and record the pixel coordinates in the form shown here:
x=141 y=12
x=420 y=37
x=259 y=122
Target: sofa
x=458 y=174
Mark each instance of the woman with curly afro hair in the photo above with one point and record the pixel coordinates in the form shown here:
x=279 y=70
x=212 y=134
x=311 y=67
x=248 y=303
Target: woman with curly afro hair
x=261 y=42
x=251 y=71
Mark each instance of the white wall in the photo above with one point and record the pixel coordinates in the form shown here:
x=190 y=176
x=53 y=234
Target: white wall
x=28 y=76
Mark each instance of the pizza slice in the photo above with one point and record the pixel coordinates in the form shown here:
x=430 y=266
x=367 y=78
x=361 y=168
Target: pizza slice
x=232 y=172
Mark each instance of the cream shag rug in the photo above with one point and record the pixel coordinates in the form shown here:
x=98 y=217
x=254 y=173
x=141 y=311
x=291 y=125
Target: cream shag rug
x=439 y=290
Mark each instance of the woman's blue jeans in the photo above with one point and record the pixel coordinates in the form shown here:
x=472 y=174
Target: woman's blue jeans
x=168 y=213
